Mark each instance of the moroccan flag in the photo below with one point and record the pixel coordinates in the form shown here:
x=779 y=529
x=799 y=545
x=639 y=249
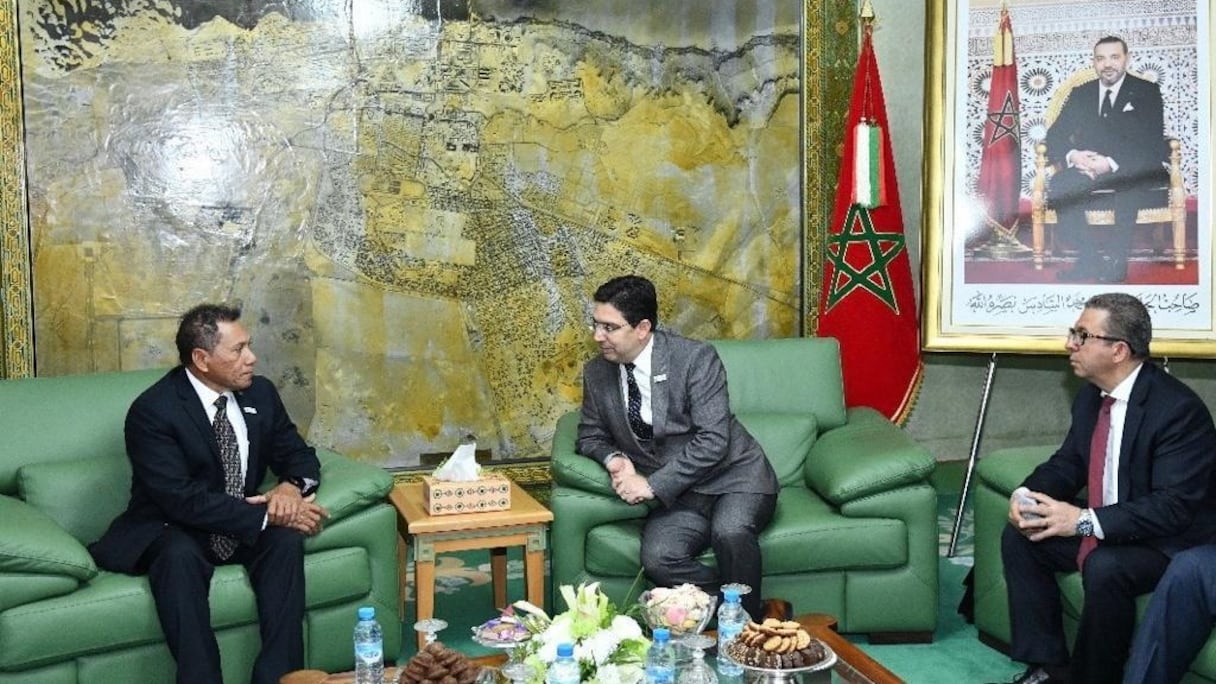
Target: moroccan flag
x=867 y=301
x=1000 y=182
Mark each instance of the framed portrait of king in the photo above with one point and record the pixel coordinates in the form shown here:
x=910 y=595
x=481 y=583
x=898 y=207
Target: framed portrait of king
x=1067 y=153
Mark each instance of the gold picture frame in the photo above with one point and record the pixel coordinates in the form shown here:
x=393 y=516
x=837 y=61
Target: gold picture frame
x=1001 y=298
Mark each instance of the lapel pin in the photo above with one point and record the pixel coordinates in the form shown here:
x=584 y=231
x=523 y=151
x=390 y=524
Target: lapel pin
x=250 y=410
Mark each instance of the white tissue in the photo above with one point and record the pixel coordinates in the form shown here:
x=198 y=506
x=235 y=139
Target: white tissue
x=461 y=466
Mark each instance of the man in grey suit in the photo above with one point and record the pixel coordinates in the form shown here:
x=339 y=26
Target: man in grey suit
x=657 y=414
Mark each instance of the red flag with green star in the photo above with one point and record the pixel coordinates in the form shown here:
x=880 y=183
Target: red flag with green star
x=867 y=301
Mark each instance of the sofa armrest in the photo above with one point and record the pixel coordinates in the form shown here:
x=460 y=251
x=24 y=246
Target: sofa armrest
x=571 y=469
x=33 y=543
x=349 y=486
x=1005 y=469
x=867 y=455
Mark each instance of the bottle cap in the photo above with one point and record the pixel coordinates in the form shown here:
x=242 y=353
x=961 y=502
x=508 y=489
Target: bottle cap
x=732 y=595
x=661 y=634
x=565 y=650
x=367 y=613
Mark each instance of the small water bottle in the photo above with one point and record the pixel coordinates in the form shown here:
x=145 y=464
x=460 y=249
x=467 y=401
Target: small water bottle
x=660 y=659
x=564 y=669
x=369 y=648
x=731 y=621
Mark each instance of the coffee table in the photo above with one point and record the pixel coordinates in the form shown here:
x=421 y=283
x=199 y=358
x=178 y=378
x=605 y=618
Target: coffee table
x=524 y=524
x=852 y=664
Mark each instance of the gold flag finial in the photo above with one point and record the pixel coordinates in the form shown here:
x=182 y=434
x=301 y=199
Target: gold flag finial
x=867 y=11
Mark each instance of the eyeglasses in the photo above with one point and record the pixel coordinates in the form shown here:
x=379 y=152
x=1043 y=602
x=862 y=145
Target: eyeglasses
x=1078 y=337
x=606 y=328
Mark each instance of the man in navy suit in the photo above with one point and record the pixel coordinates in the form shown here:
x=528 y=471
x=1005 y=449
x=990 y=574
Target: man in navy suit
x=1141 y=443
x=1108 y=144
x=1178 y=622
x=200 y=440
x=656 y=413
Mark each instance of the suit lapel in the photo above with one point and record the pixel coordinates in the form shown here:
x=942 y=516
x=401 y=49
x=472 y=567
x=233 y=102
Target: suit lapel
x=252 y=426
x=1131 y=425
x=660 y=356
x=198 y=415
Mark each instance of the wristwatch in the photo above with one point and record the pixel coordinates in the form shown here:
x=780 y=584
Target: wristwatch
x=1085 y=523
x=307 y=487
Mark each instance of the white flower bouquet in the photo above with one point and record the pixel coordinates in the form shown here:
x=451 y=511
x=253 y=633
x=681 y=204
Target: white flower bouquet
x=609 y=647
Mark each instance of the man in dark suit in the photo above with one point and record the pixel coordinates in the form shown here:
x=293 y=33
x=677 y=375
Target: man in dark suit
x=1141 y=444
x=657 y=414
x=1178 y=622
x=1108 y=144
x=200 y=440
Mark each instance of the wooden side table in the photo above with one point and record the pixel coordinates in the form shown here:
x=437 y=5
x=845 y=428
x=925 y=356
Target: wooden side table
x=525 y=524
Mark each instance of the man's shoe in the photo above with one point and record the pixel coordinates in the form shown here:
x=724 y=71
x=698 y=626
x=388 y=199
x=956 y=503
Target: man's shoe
x=1034 y=675
x=1082 y=270
x=1113 y=271
x=778 y=608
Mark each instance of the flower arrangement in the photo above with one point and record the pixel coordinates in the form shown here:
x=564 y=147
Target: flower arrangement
x=684 y=609
x=609 y=647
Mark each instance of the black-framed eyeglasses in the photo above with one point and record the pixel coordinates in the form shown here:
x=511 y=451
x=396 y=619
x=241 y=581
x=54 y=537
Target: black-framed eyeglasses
x=1078 y=337
x=605 y=327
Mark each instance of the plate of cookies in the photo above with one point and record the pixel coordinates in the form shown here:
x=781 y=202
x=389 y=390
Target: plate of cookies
x=779 y=647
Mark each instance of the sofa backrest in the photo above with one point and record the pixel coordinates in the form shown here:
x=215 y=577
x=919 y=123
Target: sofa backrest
x=785 y=392
x=792 y=374
x=66 y=418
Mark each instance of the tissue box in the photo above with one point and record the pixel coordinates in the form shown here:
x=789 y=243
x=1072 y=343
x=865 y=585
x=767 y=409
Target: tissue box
x=492 y=492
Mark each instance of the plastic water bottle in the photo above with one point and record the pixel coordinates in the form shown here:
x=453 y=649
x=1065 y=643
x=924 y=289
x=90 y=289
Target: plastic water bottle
x=564 y=669
x=369 y=648
x=731 y=621
x=660 y=659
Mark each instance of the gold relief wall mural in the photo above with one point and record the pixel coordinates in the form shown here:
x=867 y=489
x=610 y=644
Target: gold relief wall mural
x=413 y=201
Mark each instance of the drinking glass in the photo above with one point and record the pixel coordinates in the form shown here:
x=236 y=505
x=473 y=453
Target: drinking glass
x=698 y=671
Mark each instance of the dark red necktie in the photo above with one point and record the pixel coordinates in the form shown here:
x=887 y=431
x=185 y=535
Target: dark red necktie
x=1097 y=467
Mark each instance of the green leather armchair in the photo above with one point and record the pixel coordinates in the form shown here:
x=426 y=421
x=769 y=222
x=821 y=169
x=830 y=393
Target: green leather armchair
x=64 y=475
x=997 y=475
x=855 y=531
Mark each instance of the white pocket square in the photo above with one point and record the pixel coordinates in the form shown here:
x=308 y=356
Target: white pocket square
x=249 y=409
x=1128 y=107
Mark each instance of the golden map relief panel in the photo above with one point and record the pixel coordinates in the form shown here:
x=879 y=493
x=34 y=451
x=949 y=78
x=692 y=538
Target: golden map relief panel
x=413 y=201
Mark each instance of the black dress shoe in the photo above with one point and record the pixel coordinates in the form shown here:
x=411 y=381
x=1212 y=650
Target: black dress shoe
x=1082 y=270
x=1034 y=675
x=1113 y=271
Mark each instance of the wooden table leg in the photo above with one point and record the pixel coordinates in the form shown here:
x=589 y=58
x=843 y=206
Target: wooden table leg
x=498 y=576
x=534 y=573
x=424 y=589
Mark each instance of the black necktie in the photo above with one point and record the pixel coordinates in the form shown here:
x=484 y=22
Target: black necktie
x=1108 y=103
x=639 y=426
x=230 y=457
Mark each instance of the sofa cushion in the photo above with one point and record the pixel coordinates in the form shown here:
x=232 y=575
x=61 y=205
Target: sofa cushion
x=34 y=543
x=66 y=626
x=808 y=535
x=802 y=524
x=348 y=486
x=869 y=455
x=57 y=488
x=786 y=439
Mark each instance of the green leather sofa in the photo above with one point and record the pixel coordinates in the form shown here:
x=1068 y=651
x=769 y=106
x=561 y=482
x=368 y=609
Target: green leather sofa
x=855 y=531
x=996 y=476
x=64 y=475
